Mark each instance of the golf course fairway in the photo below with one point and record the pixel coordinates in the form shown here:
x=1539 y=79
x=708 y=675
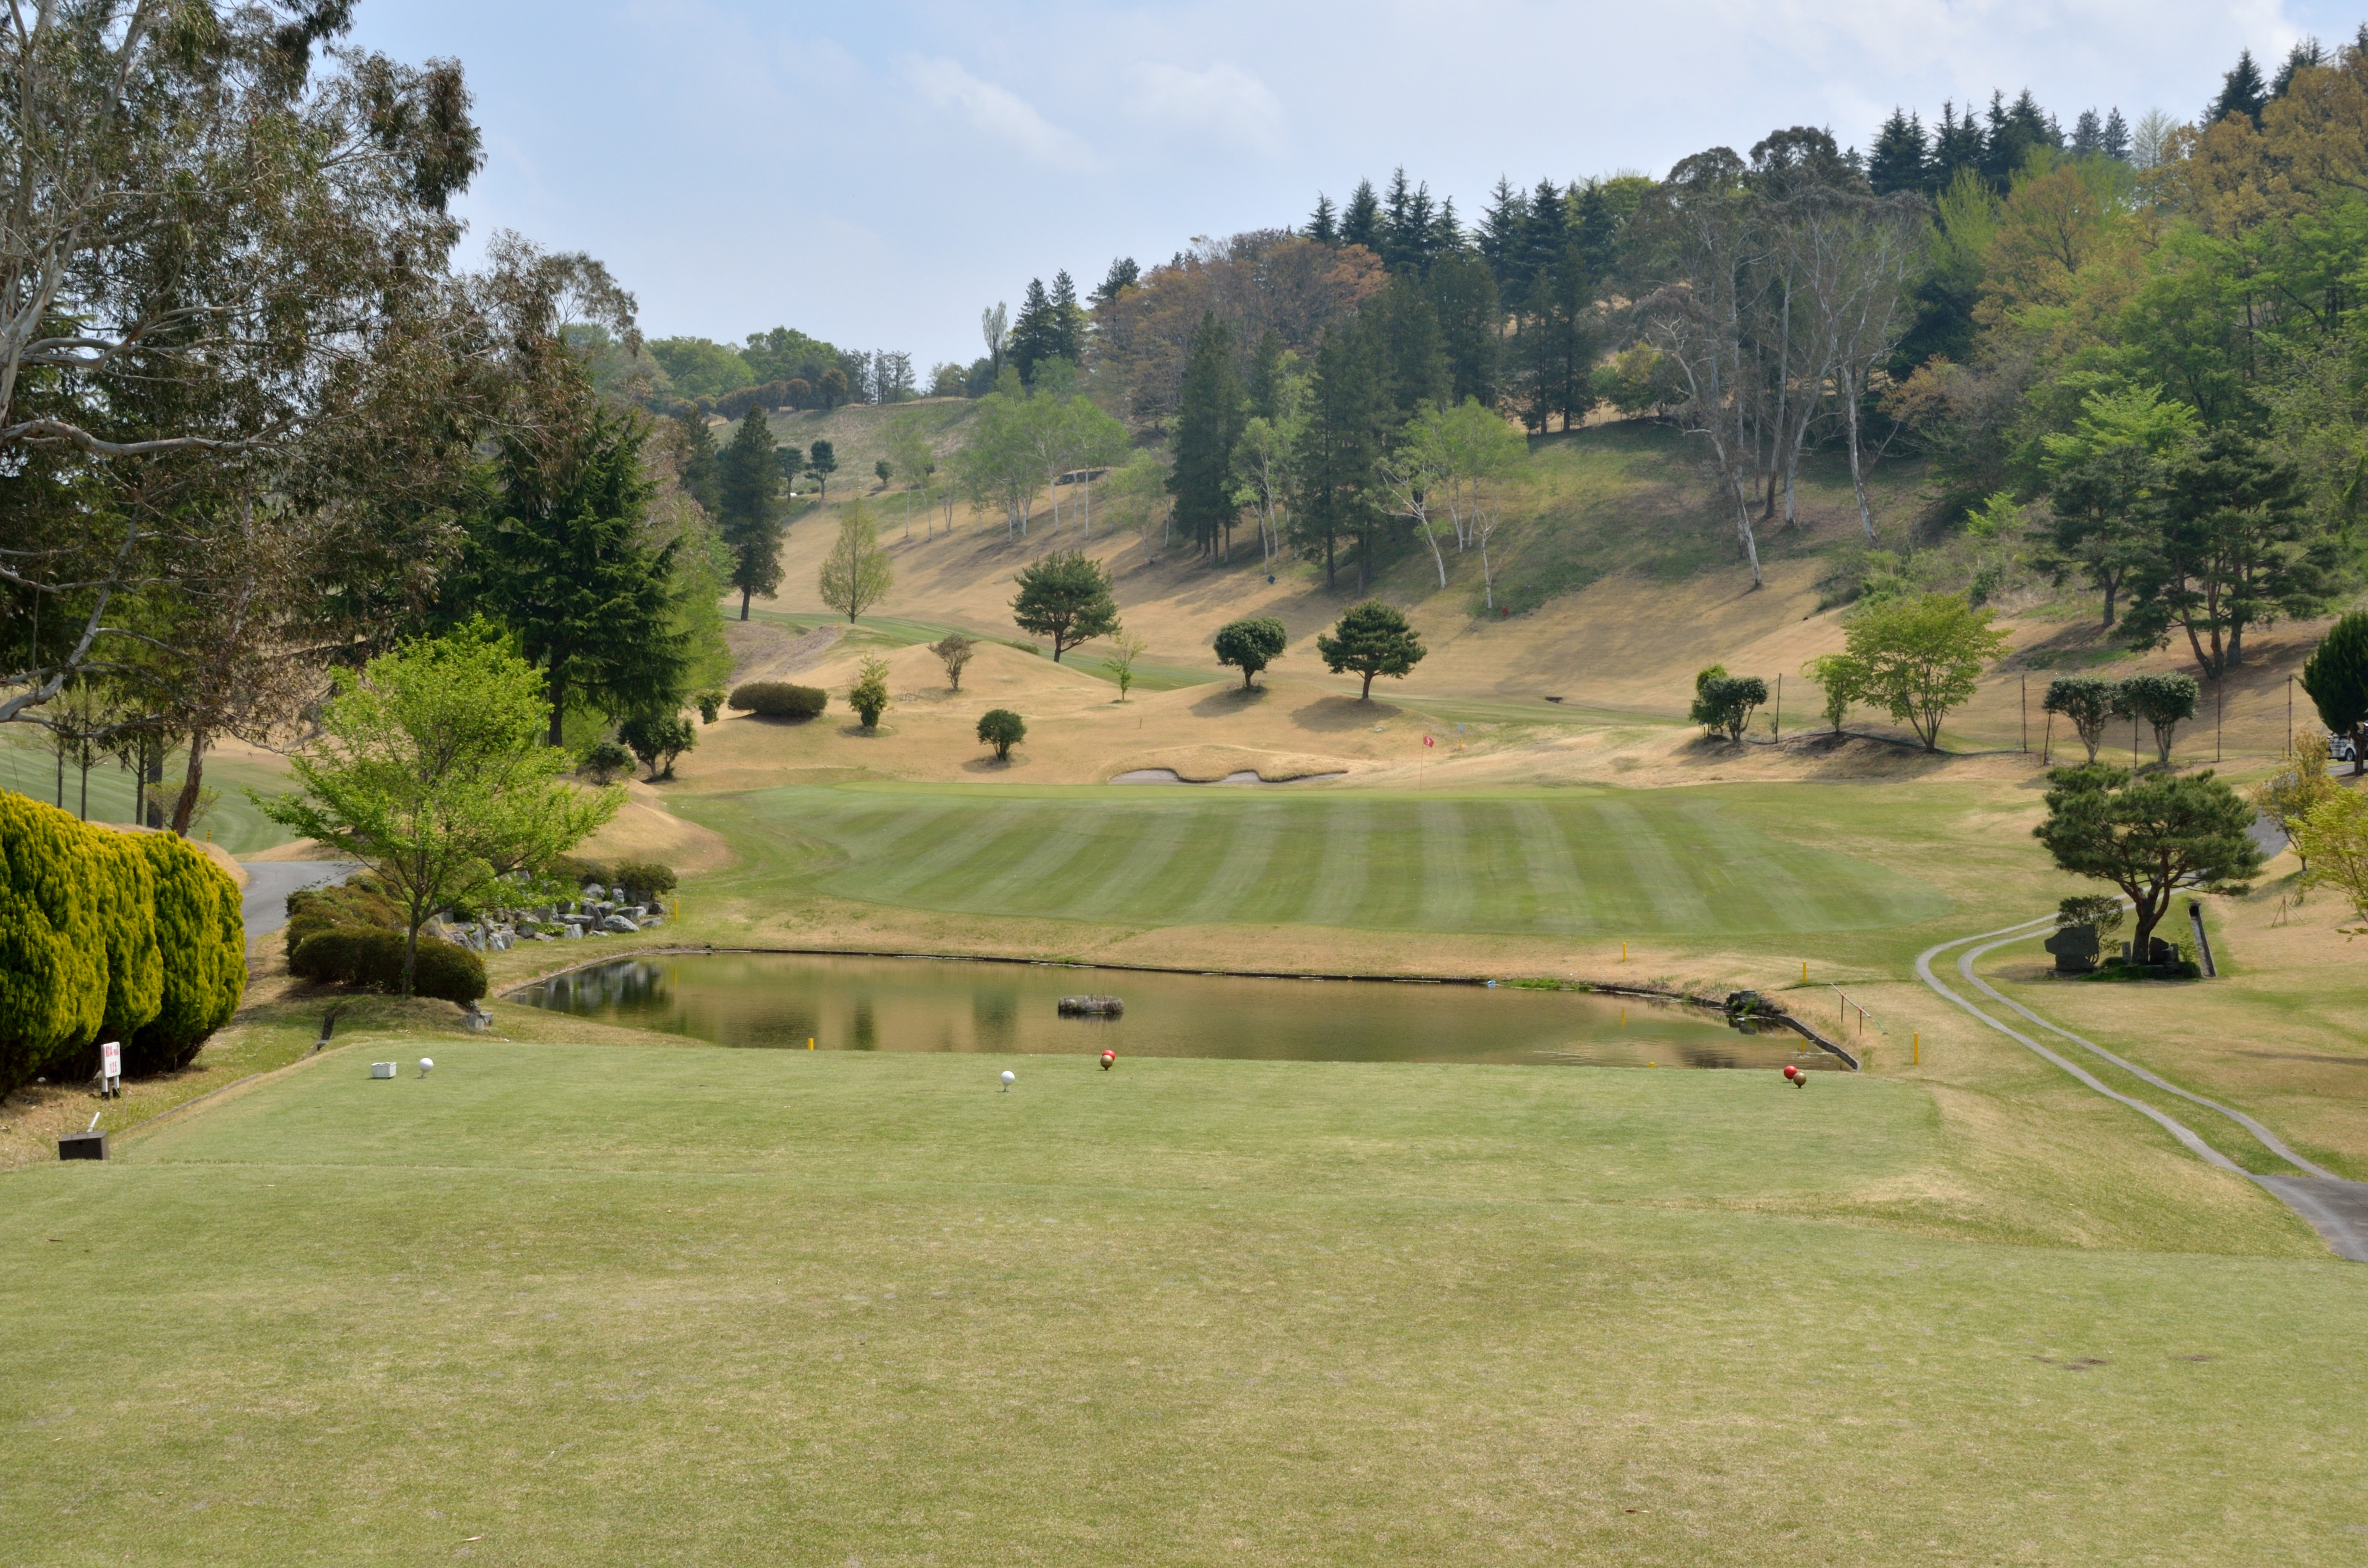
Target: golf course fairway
x=559 y=1303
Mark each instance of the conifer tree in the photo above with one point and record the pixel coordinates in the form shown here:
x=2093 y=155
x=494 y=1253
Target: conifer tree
x=750 y=485
x=1898 y=160
x=1360 y=224
x=1123 y=275
x=1207 y=422
x=1501 y=237
x=699 y=474
x=1323 y=223
x=2306 y=54
x=2242 y=91
x=1471 y=323
x=2115 y=142
x=1339 y=446
x=1035 y=336
x=1068 y=331
x=1956 y=144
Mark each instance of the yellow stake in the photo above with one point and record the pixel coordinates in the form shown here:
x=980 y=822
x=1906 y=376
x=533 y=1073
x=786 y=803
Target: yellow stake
x=1623 y=953
x=809 y=1042
x=1917 y=1042
x=1805 y=972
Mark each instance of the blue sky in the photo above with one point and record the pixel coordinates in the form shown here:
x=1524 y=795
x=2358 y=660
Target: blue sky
x=876 y=172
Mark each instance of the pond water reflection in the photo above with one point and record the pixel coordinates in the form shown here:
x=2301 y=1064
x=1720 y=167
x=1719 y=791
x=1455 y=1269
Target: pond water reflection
x=782 y=1000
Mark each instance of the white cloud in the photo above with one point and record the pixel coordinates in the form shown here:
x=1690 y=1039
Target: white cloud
x=997 y=111
x=1224 y=100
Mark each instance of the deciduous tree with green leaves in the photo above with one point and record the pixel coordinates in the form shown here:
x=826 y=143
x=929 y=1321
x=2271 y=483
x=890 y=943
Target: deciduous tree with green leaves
x=1371 y=639
x=1843 y=681
x=2086 y=702
x=1127 y=647
x=2163 y=700
x=869 y=694
x=857 y=573
x=1065 y=596
x=430 y=769
x=1002 y=729
x=1923 y=658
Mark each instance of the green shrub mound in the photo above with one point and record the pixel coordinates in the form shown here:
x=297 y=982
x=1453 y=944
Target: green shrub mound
x=358 y=902
x=780 y=699
x=647 y=877
x=371 y=956
x=202 y=935
x=105 y=935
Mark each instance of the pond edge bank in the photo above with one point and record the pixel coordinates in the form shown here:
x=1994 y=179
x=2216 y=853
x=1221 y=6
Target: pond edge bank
x=1605 y=988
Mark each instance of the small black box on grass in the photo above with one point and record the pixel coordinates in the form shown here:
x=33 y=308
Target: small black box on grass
x=83 y=1146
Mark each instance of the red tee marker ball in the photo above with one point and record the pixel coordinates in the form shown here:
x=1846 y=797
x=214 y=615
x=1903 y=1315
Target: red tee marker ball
x=1109 y=1057
x=1791 y=1072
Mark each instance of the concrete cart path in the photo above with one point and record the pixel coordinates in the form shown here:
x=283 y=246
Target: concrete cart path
x=264 y=906
x=2336 y=1208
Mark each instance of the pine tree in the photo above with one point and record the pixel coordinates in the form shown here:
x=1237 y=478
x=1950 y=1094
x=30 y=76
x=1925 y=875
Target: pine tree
x=1362 y=223
x=1502 y=230
x=1899 y=156
x=2087 y=135
x=1547 y=230
x=1265 y=387
x=1323 y=223
x=1956 y=144
x=2242 y=91
x=1035 y=336
x=699 y=461
x=1392 y=231
x=1416 y=349
x=1209 y=420
x=1595 y=228
x=1471 y=323
x=751 y=515
x=2115 y=143
x=2305 y=55
x=1123 y=275
x=1339 y=446
x=1068 y=329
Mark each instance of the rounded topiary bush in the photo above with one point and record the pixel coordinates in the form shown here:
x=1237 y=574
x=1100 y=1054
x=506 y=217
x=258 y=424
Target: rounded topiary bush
x=372 y=956
x=53 y=965
x=645 y=877
x=780 y=699
x=125 y=886
x=201 y=939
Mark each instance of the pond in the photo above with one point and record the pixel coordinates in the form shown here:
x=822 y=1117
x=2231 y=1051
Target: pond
x=782 y=1000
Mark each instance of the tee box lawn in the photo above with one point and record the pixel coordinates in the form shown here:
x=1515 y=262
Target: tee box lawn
x=562 y=1303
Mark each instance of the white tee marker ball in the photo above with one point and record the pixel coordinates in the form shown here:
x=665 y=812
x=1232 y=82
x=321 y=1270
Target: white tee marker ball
x=426 y=1067
x=1009 y=1078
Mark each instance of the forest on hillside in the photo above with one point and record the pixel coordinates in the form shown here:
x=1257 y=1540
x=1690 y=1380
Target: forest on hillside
x=260 y=425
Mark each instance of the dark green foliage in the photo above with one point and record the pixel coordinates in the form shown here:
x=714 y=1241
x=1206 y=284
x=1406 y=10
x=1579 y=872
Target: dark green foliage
x=749 y=484
x=358 y=902
x=642 y=877
x=1252 y=644
x=2236 y=548
x=1051 y=326
x=2105 y=508
x=2150 y=837
x=1210 y=415
x=698 y=467
x=1727 y=702
x=202 y=940
x=605 y=760
x=2242 y=92
x=52 y=940
x=1471 y=324
x=2163 y=700
x=1002 y=729
x=371 y=958
x=1333 y=473
x=2336 y=676
x=657 y=739
x=1372 y=638
x=1413 y=346
x=822 y=464
x=1897 y=162
x=559 y=558
x=780 y=699
x=710 y=704
x=2087 y=702
x=1065 y=596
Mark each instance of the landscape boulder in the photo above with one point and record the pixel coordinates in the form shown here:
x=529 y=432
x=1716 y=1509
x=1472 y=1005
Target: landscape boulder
x=2075 y=948
x=621 y=924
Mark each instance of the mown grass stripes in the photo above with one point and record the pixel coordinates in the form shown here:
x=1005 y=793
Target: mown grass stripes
x=1563 y=863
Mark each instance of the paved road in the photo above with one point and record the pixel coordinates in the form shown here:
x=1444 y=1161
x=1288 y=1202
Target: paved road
x=269 y=883
x=2336 y=1208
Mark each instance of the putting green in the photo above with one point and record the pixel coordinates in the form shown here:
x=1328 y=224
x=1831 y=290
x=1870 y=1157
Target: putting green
x=1550 y=862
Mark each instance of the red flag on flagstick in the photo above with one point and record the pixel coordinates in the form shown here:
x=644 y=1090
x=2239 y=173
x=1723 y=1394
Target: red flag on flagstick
x=1429 y=741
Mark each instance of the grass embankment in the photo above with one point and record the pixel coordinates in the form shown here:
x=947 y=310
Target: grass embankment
x=590 y=1304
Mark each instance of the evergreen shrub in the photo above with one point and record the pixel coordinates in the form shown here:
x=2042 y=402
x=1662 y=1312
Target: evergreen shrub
x=372 y=956
x=201 y=937
x=780 y=699
x=52 y=940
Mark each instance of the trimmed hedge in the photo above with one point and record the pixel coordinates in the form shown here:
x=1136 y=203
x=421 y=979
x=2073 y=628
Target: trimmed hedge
x=203 y=937
x=780 y=699
x=373 y=956
x=359 y=901
x=642 y=876
x=108 y=936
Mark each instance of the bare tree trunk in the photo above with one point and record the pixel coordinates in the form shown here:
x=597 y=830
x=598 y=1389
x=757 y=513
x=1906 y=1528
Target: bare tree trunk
x=192 y=780
x=1858 y=474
